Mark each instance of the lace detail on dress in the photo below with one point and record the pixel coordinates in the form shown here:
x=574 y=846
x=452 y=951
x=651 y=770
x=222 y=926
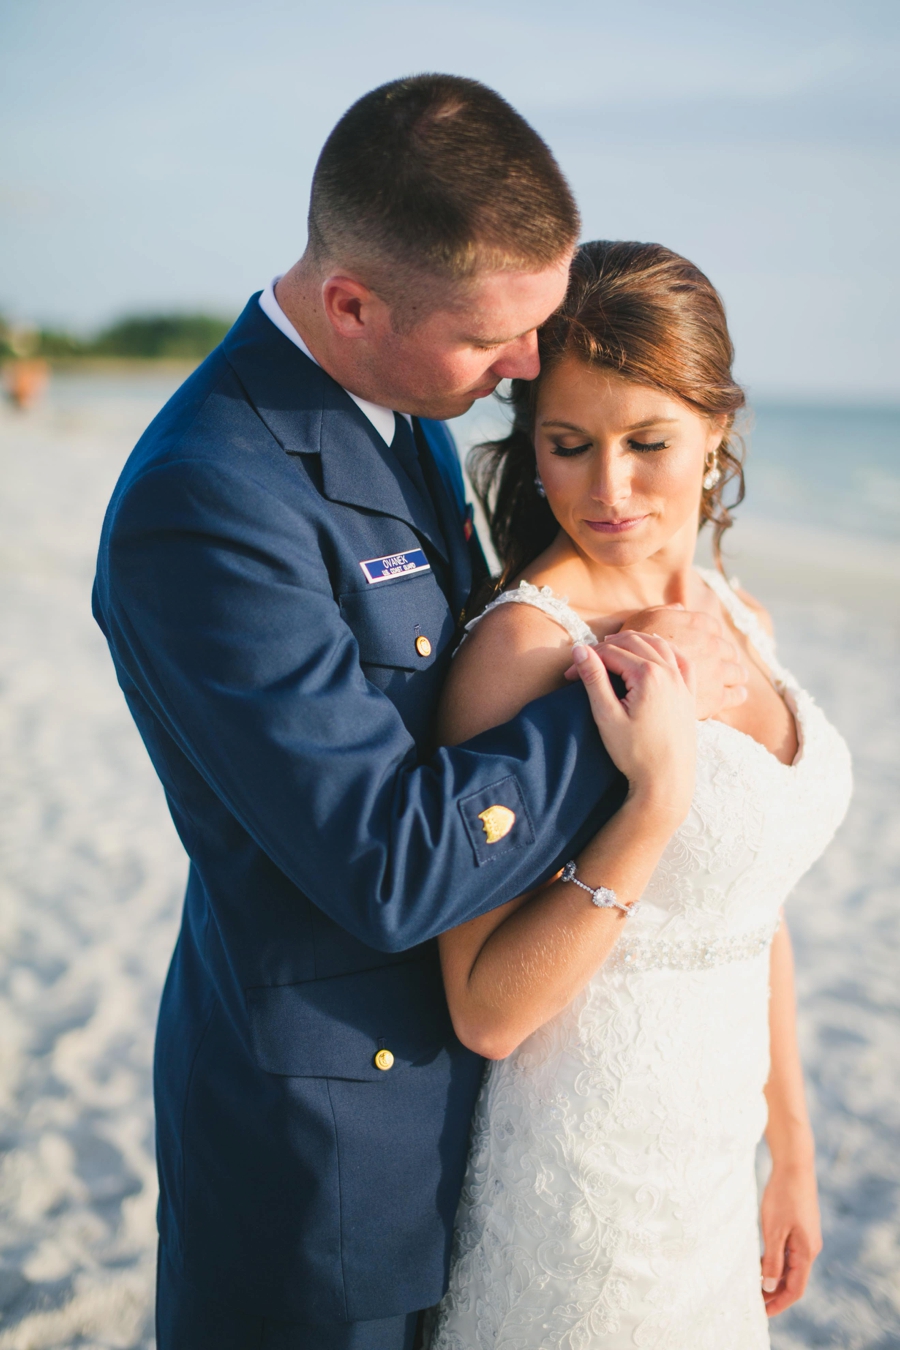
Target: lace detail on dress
x=610 y=1198
x=543 y=598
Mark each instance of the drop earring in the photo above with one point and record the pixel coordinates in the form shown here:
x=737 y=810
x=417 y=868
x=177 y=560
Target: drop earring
x=713 y=474
x=539 y=485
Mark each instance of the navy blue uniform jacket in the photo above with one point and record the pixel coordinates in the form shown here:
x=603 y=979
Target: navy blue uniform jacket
x=289 y=713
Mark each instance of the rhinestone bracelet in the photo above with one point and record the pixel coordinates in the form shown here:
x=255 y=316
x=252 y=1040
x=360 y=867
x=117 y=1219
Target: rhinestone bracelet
x=601 y=896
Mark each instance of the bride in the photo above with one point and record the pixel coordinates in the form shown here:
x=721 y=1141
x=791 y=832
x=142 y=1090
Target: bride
x=639 y=1054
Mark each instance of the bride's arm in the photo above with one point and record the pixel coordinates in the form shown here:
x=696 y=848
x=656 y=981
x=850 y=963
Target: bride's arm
x=513 y=656
x=790 y=1209
x=509 y=971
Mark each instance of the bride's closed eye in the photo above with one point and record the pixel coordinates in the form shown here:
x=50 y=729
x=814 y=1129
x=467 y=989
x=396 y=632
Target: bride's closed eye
x=567 y=451
x=642 y=447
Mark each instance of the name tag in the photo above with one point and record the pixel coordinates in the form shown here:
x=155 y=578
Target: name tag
x=395 y=565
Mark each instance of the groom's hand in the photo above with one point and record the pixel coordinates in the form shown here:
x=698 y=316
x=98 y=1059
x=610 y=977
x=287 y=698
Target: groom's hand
x=719 y=668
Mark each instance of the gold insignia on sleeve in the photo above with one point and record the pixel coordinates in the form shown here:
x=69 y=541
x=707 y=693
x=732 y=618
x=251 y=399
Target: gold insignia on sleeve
x=496 y=821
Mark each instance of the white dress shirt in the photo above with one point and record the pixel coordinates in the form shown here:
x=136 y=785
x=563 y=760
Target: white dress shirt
x=382 y=419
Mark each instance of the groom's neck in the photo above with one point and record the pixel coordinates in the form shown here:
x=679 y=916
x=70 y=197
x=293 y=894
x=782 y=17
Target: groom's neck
x=344 y=324
x=299 y=293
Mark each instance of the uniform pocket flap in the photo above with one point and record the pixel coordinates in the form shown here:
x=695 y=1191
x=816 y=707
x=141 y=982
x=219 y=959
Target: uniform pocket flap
x=334 y=1028
x=404 y=623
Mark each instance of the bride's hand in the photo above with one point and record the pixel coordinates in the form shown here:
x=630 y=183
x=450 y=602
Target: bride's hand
x=651 y=734
x=719 y=669
x=792 y=1235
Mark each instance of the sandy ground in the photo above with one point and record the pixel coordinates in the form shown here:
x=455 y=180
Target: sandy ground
x=92 y=874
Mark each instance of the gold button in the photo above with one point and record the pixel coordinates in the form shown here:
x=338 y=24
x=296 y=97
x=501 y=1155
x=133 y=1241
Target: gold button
x=423 y=646
x=496 y=821
x=384 y=1060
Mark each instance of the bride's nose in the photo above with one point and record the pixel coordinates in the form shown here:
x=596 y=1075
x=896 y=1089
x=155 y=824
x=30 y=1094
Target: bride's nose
x=611 y=479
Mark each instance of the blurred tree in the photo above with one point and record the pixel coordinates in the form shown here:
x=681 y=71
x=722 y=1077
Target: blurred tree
x=172 y=336
x=55 y=343
x=18 y=340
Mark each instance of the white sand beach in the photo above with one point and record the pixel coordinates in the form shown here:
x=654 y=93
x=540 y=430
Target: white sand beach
x=92 y=874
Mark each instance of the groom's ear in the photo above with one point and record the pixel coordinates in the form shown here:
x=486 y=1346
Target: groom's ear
x=352 y=308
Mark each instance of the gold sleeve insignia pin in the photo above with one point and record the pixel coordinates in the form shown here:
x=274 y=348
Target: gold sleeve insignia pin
x=496 y=821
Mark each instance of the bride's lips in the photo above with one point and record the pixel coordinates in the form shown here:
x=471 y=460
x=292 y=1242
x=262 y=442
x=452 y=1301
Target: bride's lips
x=614 y=526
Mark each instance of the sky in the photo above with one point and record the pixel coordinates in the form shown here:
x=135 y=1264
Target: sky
x=157 y=157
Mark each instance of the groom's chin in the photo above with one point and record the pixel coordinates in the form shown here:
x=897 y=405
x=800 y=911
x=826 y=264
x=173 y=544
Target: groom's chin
x=441 y=405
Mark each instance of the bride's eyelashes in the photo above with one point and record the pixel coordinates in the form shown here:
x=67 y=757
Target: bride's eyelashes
x=567 y=451
x=642 y=447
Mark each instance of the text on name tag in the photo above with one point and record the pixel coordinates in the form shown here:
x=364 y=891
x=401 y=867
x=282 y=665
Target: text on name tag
x=395 y=565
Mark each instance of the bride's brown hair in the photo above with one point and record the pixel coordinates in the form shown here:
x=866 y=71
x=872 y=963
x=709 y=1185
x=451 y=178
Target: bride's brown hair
x=650 y=316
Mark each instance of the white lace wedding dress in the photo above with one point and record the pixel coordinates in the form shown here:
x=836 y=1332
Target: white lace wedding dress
x=610 y=1199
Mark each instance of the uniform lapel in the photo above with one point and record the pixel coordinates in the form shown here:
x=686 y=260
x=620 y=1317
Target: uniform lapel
x=309 y=413
x=360 y=470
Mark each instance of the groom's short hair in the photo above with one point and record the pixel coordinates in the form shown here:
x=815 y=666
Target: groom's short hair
x=433 y=178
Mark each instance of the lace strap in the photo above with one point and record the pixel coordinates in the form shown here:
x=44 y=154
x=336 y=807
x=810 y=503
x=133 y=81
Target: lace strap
x=554 y=606
x=746 y=620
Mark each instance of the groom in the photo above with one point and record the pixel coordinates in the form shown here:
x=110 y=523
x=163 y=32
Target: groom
x=283 y=567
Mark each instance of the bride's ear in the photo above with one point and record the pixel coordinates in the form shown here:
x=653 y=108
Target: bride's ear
x=718 y=427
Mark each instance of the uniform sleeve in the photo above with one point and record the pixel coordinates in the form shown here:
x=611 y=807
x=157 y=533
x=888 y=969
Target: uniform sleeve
x=224 y=618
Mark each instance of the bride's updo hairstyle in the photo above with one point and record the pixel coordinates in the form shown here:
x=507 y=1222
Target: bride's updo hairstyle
x=650 y=316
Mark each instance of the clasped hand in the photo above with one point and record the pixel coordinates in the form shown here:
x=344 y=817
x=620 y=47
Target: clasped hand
x=650 y=733
x=719 y=670
x=678 y=666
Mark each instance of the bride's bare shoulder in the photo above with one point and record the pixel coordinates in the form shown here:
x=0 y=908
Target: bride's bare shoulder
x=514 y=654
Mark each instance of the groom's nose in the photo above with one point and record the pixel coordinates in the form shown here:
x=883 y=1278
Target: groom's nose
x=520 y=360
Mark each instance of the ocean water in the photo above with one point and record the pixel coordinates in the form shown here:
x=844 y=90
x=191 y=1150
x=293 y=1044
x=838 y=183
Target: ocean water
x=837 y=468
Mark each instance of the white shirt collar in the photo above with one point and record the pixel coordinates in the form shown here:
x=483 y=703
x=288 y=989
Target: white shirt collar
x=382 y=419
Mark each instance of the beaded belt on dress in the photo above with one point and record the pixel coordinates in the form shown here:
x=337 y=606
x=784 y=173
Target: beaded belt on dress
x=637 y=953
